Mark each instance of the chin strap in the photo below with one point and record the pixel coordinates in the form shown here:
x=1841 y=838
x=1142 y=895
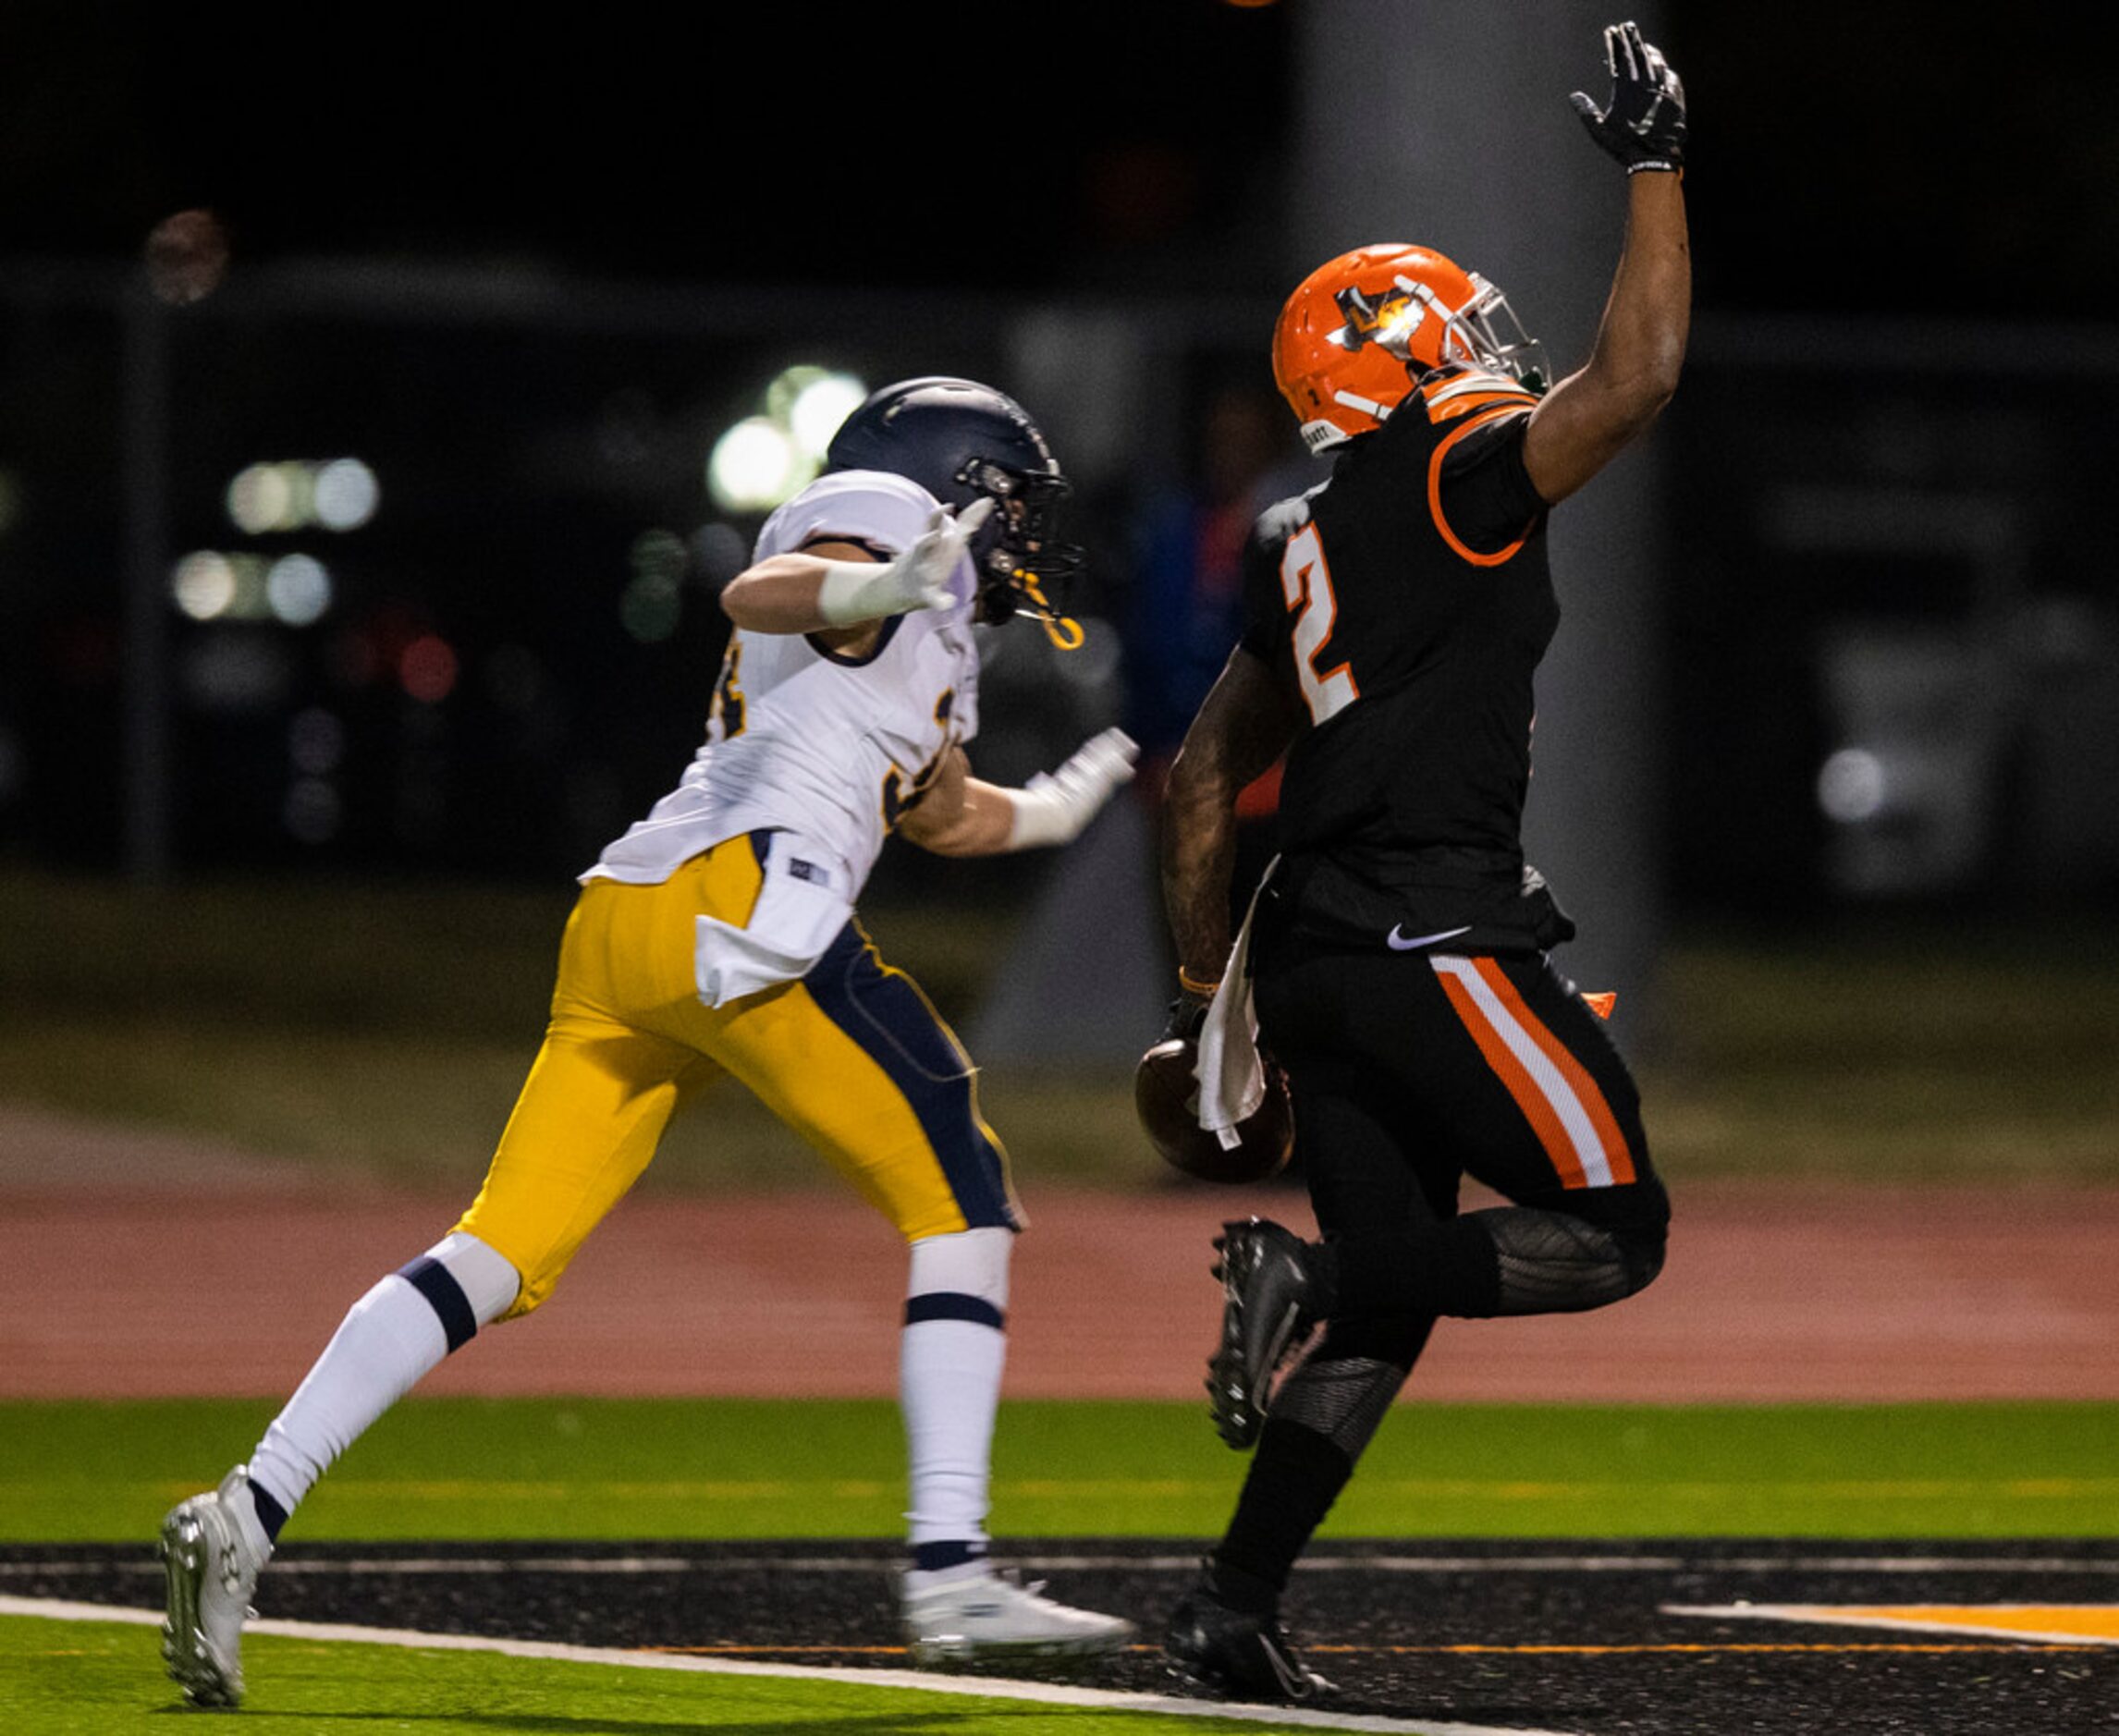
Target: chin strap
x=1063 y=630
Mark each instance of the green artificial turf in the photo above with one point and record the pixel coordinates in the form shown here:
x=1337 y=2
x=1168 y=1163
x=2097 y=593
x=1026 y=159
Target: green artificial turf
x=448 y=1468
x=674 y=1469
x=100 y=1678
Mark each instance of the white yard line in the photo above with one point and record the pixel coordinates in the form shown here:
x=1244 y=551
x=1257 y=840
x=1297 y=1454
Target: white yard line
x=1049 y=1693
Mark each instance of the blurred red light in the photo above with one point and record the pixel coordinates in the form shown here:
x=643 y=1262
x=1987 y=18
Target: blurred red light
x=427 y=667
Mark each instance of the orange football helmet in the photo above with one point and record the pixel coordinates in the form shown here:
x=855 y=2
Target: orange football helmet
x=1361 y=329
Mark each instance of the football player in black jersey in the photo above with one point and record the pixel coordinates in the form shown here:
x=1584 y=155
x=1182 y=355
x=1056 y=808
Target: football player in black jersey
x=1396 y=954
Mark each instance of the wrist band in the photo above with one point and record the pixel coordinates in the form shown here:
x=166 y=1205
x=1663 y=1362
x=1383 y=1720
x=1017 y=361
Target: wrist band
x=1039 y=817
x=1192 y=986
x=850 y=593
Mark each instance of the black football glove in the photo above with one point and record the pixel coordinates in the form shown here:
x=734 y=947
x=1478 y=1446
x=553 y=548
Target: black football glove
x=1187 y=1013
x=1643 y=124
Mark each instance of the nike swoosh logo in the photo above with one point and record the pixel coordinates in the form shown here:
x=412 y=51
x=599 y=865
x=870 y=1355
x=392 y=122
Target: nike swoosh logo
x=1398 y=943
x=1291 y=1683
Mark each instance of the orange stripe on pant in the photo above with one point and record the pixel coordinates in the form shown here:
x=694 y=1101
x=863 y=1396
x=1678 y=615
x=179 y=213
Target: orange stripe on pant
x=1546 y=1115
x=1586 y=1091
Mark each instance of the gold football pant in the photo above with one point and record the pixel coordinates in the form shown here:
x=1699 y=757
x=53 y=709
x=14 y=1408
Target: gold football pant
x=853 y=1058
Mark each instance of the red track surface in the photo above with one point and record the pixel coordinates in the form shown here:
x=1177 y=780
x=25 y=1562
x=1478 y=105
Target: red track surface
x=201 y=1273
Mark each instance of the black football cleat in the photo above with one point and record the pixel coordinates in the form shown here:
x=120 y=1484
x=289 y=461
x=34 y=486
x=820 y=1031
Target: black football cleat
x=1265 y=1296
x=1237 y=1655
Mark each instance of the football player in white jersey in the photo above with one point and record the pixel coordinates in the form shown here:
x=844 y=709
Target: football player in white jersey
x=717 y=936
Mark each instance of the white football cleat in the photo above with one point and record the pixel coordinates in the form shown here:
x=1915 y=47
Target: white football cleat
x=213 y=1548
x=983 y=1620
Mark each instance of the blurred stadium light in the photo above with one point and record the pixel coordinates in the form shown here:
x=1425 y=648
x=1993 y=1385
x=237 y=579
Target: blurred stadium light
x=754 y=465
x=346 y=495
x=772 y=455
x=262 y=498
x=810 y=402
x=298 y=590
x=205 y=585
x=548 y=520
x=333 y=495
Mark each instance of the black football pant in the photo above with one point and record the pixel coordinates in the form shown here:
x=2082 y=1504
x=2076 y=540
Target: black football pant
x=1411 y=1071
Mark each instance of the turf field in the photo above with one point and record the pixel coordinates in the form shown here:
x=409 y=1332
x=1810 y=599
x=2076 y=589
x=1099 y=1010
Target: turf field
x=631 y=1566
x=731 y=1469
x=1581 y=1570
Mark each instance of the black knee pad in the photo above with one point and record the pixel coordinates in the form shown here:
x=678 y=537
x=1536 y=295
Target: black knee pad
x=1574 y=1252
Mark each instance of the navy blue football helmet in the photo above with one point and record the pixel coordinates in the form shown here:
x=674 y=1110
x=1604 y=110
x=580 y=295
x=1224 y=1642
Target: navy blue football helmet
x=960 y=440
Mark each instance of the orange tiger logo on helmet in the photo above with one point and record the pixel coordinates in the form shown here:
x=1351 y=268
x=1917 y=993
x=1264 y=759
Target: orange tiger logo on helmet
x=1361 y=329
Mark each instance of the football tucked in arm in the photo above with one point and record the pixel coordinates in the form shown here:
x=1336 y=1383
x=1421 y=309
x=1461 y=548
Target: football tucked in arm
x=1165 y=1098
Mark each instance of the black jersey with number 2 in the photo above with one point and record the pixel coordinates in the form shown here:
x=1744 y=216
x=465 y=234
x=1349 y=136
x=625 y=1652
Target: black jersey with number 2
x=1406 y=603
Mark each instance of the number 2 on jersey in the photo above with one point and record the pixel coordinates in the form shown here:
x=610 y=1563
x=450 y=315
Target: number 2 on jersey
x=1305 y=580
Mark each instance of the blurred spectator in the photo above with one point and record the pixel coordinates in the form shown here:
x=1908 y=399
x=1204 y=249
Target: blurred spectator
x=1187 y=601
x=1187 y=604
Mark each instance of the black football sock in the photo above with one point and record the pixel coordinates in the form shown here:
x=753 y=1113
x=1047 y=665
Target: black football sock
x=1297 y=1475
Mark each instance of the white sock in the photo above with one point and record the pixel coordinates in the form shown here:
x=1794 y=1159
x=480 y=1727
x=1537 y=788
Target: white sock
x=949 y=1367
x=389 y=1338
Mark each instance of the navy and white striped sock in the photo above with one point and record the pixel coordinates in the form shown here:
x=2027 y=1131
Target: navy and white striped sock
x=951 y=1358
x=389 y=1338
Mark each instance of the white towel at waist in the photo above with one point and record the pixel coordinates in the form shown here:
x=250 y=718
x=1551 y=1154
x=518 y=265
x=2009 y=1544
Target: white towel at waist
x=1231 y=1076
x=804 y=904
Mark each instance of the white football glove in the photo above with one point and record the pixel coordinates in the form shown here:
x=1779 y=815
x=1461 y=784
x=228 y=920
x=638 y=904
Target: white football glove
x=856 y=590
x=1053 y=808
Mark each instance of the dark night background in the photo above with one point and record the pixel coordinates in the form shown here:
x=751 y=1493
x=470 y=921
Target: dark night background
x=1901 y=157
x=1890 y=204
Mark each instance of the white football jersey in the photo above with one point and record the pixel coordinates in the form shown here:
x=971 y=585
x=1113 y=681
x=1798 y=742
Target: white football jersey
x=804 y=740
